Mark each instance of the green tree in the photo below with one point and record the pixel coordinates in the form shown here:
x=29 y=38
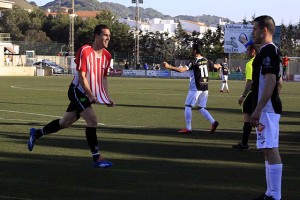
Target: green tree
x=57 y=28
x=36 y=36
x=37 y=19
x=21 y=23
x=84 y=31
x=182 y=41
x=16 y=22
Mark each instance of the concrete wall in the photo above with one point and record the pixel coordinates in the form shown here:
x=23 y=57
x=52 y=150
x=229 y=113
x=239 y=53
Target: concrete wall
x=17 y=71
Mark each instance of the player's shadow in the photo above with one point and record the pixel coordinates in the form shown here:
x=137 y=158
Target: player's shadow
x=292 y=114
x=147 y=106
x=222 y=110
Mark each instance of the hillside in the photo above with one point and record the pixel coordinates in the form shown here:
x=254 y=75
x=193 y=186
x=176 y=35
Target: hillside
x=25 y=4
x=123 y=11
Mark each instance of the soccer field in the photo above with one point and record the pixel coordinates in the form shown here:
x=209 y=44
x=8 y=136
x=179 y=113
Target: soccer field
x=151 y=160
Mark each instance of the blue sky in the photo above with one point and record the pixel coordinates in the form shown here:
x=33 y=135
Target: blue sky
x=236 y=10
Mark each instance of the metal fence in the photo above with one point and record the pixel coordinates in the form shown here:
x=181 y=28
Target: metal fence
x=294 y=66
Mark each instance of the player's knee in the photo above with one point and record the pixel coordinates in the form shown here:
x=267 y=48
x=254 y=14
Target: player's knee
x=65 y=124
x=92 y=122
x=200 y=108
x=188 y=106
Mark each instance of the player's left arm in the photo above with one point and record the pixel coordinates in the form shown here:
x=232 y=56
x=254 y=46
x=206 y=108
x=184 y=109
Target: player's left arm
x=105 y=85
x=270 y=84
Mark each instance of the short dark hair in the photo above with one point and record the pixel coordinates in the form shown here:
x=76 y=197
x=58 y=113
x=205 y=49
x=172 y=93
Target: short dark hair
x=266 y=21
x=98 y=29
x=197 y=47
x=255 y=47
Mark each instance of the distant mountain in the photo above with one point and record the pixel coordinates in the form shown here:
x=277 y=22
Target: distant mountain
x=123 y=11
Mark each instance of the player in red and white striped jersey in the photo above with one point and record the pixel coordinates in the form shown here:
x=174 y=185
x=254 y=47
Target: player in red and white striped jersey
x=95 y=67
x=88 y=87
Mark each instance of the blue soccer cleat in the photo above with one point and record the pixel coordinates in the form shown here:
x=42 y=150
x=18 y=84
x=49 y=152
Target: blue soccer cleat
x=102 y=164
x=32 y=139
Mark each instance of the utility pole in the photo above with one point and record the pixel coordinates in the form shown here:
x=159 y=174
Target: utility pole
x=137 y=37
x=71 y=30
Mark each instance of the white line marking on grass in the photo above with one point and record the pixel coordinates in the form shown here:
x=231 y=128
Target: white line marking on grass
x=81 y=123
x=53 y=116
x=36 y=114
x=19 y=198
x=40 y=89
x=27 y=113
x=21 y=120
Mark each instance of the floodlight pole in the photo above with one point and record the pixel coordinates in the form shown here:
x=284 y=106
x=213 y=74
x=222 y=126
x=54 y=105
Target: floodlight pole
x=71 y=30
x=137 y=36
x=137 y=33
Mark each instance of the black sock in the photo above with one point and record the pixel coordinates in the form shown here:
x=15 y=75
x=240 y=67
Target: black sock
x=52 y=127
x=38 y=133
x=91 y=137
x=246 y=132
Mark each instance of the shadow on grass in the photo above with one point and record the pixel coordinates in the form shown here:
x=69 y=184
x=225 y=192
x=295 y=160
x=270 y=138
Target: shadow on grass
x=150 y=163
x=222 y=110
x=291 y=114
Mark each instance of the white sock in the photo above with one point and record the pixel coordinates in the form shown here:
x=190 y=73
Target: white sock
x=223 y=84
x=268 y=192
x=188 y=117
x=206 y=115
x=275 y=173
x=226 y=85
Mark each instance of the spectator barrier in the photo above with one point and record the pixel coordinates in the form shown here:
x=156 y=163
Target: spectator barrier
x=168 y=74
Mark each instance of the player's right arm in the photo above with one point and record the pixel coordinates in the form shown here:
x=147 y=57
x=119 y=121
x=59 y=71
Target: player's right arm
x=177 y=69
x=217 y=66
x=279 y=84
x=246 y=91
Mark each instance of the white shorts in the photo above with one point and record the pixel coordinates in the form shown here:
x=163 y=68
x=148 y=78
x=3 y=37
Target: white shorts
x=268 y=131
x=225 y=77
x=197 y=97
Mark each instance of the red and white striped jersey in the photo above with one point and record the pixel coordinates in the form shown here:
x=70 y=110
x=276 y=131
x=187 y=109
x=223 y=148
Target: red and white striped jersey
x=96 y=68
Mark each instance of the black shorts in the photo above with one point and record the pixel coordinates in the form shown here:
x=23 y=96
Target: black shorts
x=247 y=104
x=78 y=100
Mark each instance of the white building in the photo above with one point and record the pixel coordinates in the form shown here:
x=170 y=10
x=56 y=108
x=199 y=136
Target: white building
x=163 y=26
x=190 y=26
x=143 y=26
x=153 y=25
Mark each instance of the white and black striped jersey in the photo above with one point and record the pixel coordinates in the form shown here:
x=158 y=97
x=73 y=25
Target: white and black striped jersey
x=199 y=74
x=224 y=68
x=267 y=61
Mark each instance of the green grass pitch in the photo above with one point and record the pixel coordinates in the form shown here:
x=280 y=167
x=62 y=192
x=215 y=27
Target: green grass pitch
x=151 y=160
